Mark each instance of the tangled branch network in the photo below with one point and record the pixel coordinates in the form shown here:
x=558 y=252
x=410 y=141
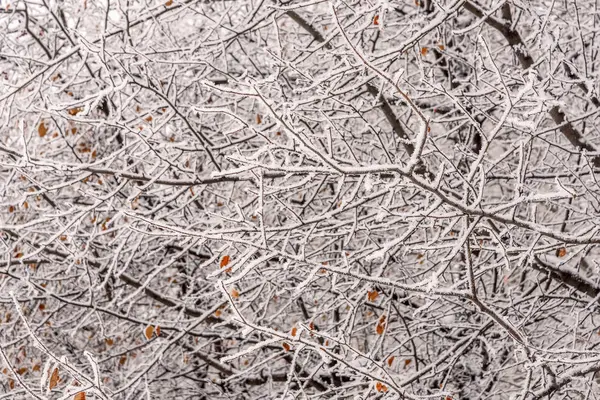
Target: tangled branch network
x=300 y=199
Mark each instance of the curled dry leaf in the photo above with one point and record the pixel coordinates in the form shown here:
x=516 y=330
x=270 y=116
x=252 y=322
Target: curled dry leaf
x=294 y=331
x=372 y=295
x=80 y=396
x=376 y=20
x=390 y=361
x=42 y=129
x=224 y=261
x=381 y=387
x=148 y=332
x=286 y=346
x=54 y=378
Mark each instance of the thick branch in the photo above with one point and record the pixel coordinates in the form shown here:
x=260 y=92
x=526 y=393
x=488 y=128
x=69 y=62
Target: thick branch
x=516 y=42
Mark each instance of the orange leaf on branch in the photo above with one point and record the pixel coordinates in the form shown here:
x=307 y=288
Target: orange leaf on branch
x=372 y=295
x=54 y=378
x=224 y=261
x=42 y=130
x=148 y=332
x=381 y=387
